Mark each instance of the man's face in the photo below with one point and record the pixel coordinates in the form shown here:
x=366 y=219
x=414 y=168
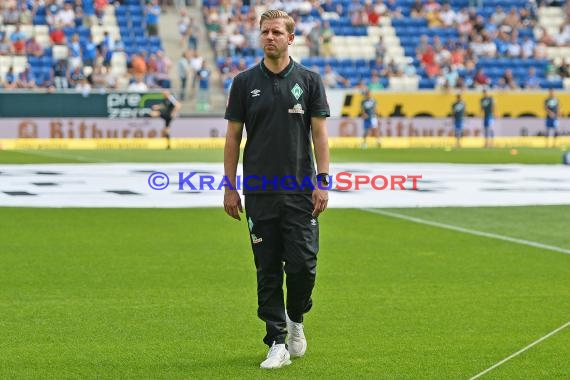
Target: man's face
x=275 y=39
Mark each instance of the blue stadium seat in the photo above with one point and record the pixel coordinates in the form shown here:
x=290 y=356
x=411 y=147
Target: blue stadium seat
x=426 y=83
x=553 y=83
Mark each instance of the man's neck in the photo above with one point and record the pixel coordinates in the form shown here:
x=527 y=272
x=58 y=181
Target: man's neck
x=276 y=65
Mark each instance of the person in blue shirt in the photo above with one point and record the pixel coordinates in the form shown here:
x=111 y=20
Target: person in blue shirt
x=552 y=108
x=458 y=113
x=152 y=15
x=203 y=75
x=369 y=117
x=488 y=111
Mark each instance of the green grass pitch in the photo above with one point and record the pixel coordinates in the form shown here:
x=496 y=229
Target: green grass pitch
x=170 y=293
x=474 y=156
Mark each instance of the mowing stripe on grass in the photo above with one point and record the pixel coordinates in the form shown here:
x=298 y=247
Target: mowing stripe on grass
x=521 y=351
x=469 y=231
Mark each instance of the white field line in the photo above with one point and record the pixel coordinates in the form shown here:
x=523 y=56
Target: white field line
x=469 y=231
x=520 y=351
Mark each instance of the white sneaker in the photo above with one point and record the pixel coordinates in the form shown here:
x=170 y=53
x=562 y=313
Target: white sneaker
x=277 y=357
x=296 y=339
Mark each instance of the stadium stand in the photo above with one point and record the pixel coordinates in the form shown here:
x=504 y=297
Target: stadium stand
x=409 y=44
x=380 y=44
x=53 y=38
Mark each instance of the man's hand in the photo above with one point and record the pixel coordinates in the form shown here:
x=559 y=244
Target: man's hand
x=232 y=203
x=320 y=201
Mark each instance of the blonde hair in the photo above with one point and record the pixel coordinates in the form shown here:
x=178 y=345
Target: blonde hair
x=274 y=14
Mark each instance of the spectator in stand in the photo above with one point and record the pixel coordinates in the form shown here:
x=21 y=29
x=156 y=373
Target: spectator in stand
x=11 y=16
x=138 y=66
x=10 y=78
x=184 y=72
x=97 y=77
x=75 y=76
x=196 y=64
x=251 y=34
x=512 y=20
x=6 y=46
x=546 y=38
x=75 y=52
x=78 y=17
x=532 y=81
x=236 y=43
x=151 y=68
x=327 y=36
x=107 y=47
x=60 y=74
x=514 y=50
x=527 y=47
x=225 y=67
x=458 y=57
x=313 y=40
x=17 y=34
x=375 y=84
x=433 y=17
x=163 y=66
x=509 y=81
x=57 y=35
x=83 y=87
x=26 y=15
x=203 y=101
x=100 y=6
x=498 y=16
x=138 y=85
x=448 y=16
x=502 y=42
x=152 y=14
x=332 y=79
x=526 y=19
x=448 y=78
x=66 y=16
x=564 y=69
x=183 y=25
x=33 y=48
x=378 y=67
x=488 y=48
x=379 y=47
x=18 y=39
x=423 y=46
x=327 y=6
x=562 y=38
x=417 y=10
x=26 y=79
x=89 y=52
x=479 y=24
x=428 y=59
x=51 y=12
x=481 y=80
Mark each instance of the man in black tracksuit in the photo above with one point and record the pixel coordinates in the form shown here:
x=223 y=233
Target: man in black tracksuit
x=283 y=106
x=166 y=110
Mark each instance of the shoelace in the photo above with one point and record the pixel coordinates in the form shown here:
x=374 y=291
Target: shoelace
x=297 y=329
x=273 y=350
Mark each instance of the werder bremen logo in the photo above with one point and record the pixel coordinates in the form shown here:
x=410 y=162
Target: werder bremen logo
x=297 y=91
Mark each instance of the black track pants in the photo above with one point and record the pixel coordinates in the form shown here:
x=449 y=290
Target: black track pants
x=285 y=239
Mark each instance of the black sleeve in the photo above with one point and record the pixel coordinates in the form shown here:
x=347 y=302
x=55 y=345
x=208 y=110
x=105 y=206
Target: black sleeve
x=319 y=105
x=235 y=109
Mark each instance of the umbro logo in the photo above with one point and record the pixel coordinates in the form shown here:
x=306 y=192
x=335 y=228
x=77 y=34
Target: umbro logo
x=313 y=222
x=255 y=93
